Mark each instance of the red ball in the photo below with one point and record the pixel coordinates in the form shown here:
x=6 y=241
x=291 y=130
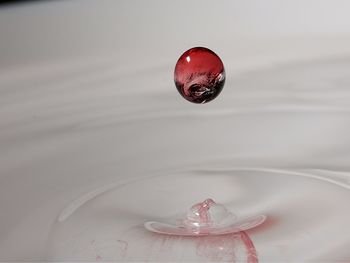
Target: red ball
x=199 y=75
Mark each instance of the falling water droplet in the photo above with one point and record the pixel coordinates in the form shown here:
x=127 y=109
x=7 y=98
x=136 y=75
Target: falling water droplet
x=199 y=75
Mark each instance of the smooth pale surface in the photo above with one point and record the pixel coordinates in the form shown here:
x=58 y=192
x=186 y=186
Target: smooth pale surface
x=87 y=99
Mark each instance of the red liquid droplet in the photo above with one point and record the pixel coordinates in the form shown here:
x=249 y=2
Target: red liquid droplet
x=199 y=75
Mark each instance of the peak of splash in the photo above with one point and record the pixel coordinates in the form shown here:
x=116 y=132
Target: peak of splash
x=207 y=214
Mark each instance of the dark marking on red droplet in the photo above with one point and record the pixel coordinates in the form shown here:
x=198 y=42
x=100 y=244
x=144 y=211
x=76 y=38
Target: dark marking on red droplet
x=199 y=75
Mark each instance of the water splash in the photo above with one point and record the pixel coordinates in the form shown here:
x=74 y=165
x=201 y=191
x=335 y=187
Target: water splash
x=206 y=218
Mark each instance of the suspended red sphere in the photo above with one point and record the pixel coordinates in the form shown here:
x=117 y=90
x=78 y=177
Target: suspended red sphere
x=199 y=75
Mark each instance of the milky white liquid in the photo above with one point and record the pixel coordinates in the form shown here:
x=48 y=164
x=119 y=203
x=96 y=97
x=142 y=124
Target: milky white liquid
x=93 y=147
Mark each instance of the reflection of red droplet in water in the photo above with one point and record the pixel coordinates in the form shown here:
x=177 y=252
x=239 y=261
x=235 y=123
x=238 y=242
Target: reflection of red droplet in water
x=237 y=247
x=150 y=247
x=199 y=75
